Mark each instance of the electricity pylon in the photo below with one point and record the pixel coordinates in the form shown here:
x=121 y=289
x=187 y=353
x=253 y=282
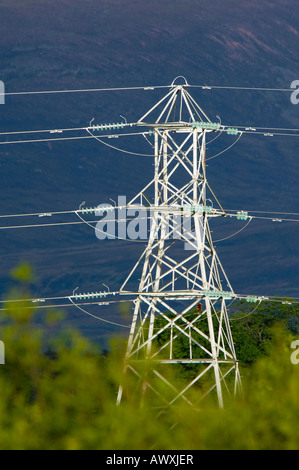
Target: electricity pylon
x=180 y=312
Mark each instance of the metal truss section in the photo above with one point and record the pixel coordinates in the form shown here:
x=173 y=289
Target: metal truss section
x=180 y=314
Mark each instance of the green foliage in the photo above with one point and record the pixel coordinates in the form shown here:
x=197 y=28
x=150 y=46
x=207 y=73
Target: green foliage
x=23 y=272
x=253 y=332
x=61 y=394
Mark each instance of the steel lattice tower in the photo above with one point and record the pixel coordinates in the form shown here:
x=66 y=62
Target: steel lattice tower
x=181 y=296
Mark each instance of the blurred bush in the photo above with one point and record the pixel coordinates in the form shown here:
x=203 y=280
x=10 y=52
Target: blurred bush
x=61 y=394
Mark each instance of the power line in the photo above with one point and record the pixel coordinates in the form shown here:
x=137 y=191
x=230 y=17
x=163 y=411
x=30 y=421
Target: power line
x=212 y=293
x=43 y=131
x=124 y=219
x=240 y=88
x=98 y=127
x=236 y=233
x=11 y=227
x=30 y=141
x=97 y=317
x=145 y=88
x=263 y=212
x=88 y=90
x=228 y=148
x=251 y=128
x=92 y=136
x=254 y=128
x=41 y=305
x=271 y=134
